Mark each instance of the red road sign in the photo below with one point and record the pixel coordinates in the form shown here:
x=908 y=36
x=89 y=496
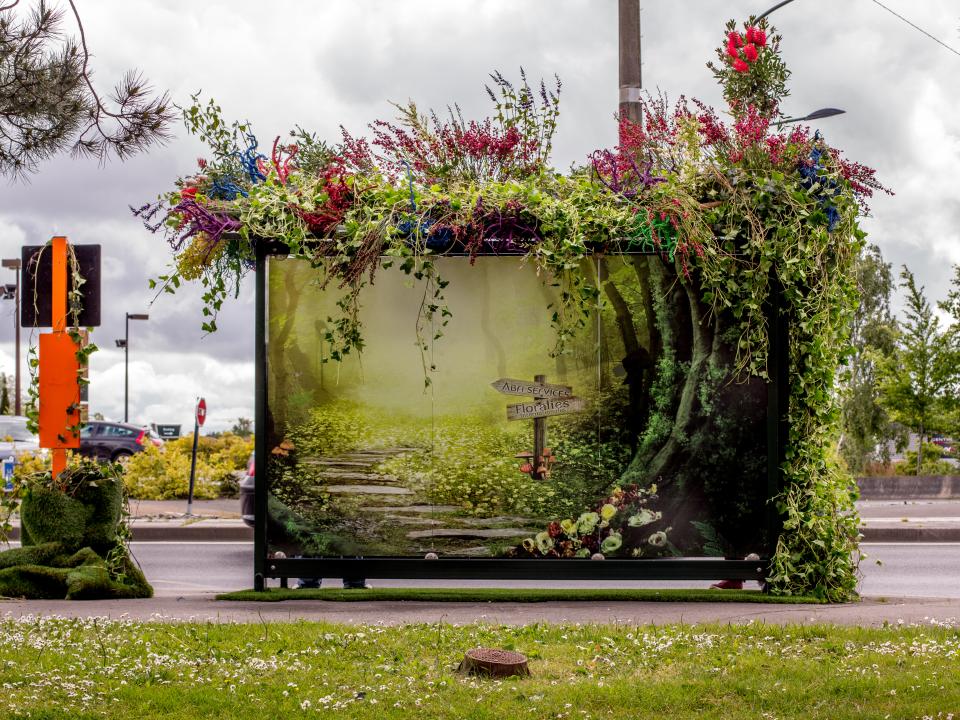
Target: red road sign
x=201 y=411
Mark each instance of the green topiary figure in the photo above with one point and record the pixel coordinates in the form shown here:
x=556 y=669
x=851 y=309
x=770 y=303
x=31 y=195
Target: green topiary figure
x=72 y=540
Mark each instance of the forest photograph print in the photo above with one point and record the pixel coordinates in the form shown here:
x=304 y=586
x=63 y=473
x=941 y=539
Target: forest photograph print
x=633 y=442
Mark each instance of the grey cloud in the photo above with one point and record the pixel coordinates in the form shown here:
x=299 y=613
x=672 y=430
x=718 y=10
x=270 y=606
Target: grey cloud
x=323 y=64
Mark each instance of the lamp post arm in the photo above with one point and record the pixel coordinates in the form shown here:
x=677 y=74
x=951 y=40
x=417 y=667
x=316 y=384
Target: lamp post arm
x=775 y=7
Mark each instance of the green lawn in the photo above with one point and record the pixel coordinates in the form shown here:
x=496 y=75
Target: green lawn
x=524 y=595
x=59 y=668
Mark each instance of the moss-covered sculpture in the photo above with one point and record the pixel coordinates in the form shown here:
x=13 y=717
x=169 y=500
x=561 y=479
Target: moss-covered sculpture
x=72 y=542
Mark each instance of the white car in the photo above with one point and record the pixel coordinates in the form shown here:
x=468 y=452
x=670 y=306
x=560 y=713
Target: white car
x=15 y=439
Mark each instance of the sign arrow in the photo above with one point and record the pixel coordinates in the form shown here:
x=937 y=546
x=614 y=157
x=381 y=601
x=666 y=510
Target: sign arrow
x=544 y=408
x=530 y=388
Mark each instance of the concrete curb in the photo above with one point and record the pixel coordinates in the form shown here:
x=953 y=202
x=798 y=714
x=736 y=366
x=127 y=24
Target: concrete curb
x=175 y=532
x=198 y=532
x=910 y=534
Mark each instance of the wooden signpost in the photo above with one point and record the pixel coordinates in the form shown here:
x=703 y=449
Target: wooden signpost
x=535 y=389
x=548 y=400
x=544 y=408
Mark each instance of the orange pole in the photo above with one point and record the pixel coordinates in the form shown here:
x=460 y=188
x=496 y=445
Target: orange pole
x=59 y=285
x=58 y=308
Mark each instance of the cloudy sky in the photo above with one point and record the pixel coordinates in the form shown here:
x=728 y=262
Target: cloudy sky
x=324 y=63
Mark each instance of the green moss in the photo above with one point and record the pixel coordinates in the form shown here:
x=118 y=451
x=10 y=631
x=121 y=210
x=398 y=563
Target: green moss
x=72 y=545
x=51 y=516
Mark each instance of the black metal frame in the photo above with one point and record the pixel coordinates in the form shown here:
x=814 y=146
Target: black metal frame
x=533 y=569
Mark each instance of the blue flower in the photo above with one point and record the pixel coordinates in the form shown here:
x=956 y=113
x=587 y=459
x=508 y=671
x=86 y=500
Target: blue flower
x=810 y=173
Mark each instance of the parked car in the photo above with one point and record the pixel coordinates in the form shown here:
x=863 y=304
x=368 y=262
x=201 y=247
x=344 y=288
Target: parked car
x=946 y=444
x=247 y=490
x=15 y=439
x=114 y=442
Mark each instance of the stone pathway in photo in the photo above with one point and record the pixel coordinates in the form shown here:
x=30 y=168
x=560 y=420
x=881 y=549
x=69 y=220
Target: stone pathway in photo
x=354 y=474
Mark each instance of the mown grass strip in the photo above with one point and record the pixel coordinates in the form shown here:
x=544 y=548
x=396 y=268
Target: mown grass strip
x=521 y=595
x=83 y=669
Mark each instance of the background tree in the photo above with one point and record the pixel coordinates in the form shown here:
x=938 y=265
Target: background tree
x=952 y=306
x=48 y=102
x=920 y=376
x=4 y=394
x=243 y=427
x=866 y=424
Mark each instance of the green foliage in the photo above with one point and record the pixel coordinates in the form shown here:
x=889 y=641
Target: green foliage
x=243 y=427
x=164 y=473
x=334 y=428
x=866 y=425
x=921 y=374
x=933 y=463
x=470 y=464
x=49 y=100
x=764 y=84
x=952 y=306
x=5 y=404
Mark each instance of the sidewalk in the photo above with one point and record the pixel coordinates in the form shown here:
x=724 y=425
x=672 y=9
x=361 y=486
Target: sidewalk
x=219 y=520
x=871 y=612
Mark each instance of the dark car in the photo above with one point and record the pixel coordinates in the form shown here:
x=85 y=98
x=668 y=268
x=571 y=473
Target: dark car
x=110 y=441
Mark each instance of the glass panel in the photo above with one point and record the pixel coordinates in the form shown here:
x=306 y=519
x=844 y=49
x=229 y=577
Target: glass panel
x=635 y=441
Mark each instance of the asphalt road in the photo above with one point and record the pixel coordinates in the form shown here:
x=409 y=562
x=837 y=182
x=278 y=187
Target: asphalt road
x=190 y=568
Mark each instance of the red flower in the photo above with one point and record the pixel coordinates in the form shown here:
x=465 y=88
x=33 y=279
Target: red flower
x=759 y=37
x=554 y=530
x=732 y=51
x=750 y=52
x=740 y=66
x=188 y=193
x=734 y=39
x=749 y=34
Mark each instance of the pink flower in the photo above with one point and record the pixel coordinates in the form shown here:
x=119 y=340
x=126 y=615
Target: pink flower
x=750 y=52
x=740 y=66
x=749 y=34
x=759 y=37
x=732 y=51
x=734 y=39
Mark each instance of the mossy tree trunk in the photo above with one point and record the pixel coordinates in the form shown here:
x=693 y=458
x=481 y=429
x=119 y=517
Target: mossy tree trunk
x=701 y=440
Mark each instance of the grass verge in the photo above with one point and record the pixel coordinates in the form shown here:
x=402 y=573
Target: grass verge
x=523 y=595
x=53 y=668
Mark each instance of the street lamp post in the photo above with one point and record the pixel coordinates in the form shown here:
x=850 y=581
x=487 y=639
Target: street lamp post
x=125 y=344
x=629 y=56
x=14 y=264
